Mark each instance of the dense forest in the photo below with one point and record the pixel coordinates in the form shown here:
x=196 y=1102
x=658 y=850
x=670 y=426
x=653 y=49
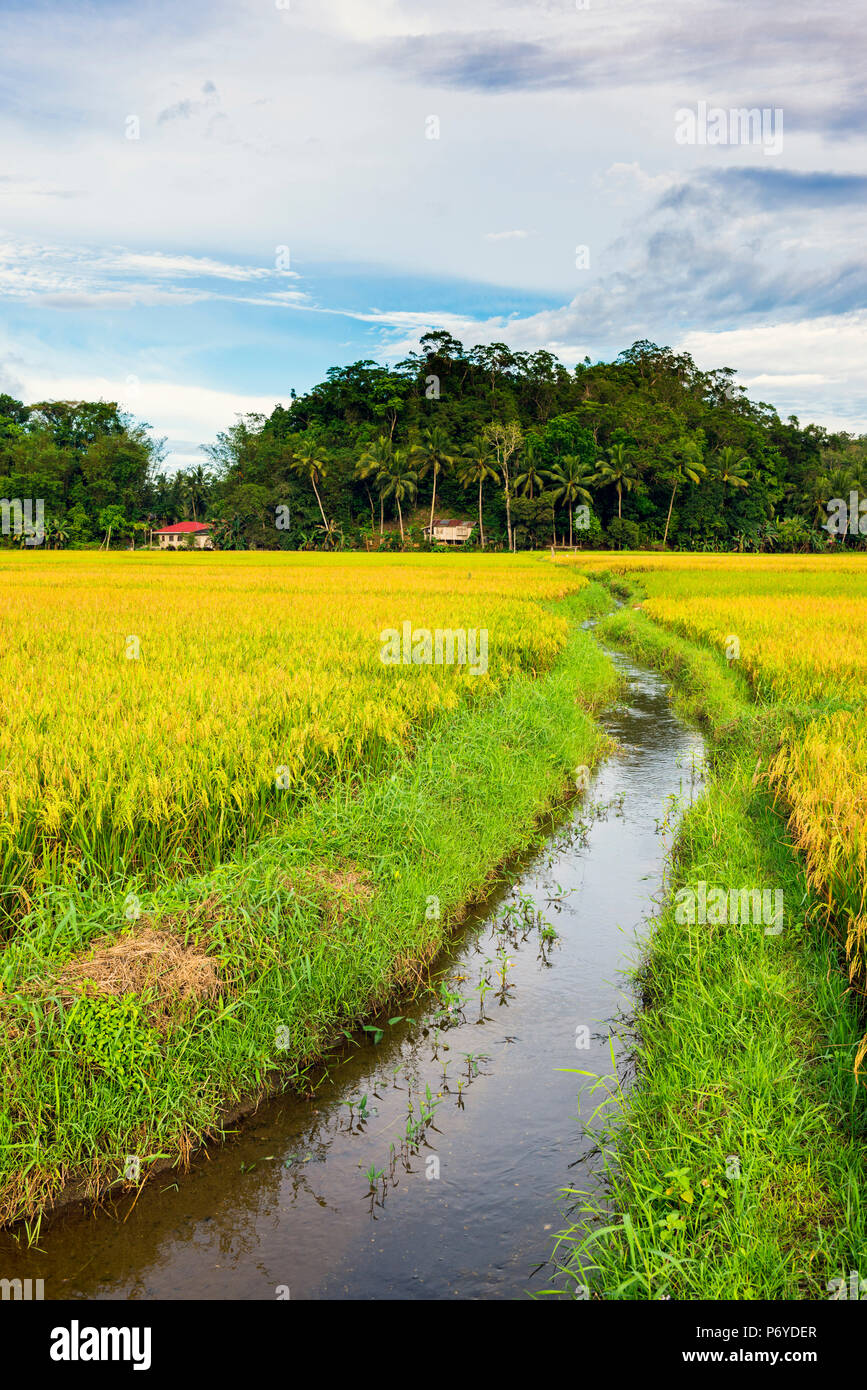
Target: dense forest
x=644 y=451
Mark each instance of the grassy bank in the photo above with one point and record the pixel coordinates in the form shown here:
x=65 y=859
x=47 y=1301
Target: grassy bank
x=135 y=1019
x=735 y=1164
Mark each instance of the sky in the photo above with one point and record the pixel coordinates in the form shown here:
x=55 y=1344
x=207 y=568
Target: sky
x=205 y=205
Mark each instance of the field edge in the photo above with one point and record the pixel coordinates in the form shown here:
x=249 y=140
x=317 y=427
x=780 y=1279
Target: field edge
x=313 y=932
x=734 y=1164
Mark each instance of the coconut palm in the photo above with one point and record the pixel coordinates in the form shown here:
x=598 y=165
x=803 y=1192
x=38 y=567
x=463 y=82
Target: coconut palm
x=477 y=469
x=731 y=467
x=433 y=454
x=310 y=462
x=620 y=470
x=531 y=476
x=832 y=483
x=398 y=479
x=731 y=470
x=570 y=479
x=376 y=458
x=686 y=467
x=195 y=486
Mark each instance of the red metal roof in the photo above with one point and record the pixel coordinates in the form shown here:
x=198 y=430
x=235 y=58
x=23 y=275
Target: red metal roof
x=183 y=526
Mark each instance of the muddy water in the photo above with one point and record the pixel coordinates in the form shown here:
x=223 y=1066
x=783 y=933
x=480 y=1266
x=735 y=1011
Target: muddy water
x=468 y=1204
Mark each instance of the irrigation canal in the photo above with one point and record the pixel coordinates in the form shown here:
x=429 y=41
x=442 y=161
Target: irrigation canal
x=471 y=1211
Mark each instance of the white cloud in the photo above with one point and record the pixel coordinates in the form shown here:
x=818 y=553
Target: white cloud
x=187 y=415
x=630 y=180
x=62 y=277
x=304 y=126
x=837 y=344
x=161 y=264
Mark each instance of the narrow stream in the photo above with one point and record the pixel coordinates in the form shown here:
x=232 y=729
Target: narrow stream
x=469 y=1206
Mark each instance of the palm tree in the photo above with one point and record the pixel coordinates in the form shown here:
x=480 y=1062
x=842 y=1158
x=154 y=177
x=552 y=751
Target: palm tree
x=196 y=484
x=333 y=533
x=688 y=468
x=477 y=469
x=434 y=453
x=570 y=479
x=619 y=470
x=834 y=482
x=398 y=480
x=731 y=467
x=731 y=470
x=532 y=476
x=373 y=461
x=310 y=462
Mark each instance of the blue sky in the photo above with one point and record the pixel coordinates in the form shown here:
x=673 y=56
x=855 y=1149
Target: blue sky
x=282 y=207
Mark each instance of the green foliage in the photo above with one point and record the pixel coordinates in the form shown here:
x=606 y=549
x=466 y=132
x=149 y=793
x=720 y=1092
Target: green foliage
x=112 y=520
x=680 y=452
x=733 y=1169
x=681 y=1204
x=104 y=1086
x=111 y=1034
x=624 y=533
x=533 y=520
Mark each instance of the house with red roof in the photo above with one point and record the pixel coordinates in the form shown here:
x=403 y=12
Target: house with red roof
x=184 y=532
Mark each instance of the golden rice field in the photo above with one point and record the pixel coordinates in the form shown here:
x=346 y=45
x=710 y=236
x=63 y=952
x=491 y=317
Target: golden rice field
x=801 y=630
x=158 y=710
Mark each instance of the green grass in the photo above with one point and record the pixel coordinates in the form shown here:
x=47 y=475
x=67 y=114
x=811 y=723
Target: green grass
x=734 y=1165
x=313 y=931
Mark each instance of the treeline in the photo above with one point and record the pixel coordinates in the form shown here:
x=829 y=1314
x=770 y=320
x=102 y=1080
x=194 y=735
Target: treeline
x=644 y=451
x=96 y=470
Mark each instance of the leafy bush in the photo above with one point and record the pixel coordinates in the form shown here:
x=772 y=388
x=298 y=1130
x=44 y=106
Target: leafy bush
x=624 y=534
x=112 y=1035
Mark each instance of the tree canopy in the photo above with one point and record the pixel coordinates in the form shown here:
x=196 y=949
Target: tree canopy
x=665 y=453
